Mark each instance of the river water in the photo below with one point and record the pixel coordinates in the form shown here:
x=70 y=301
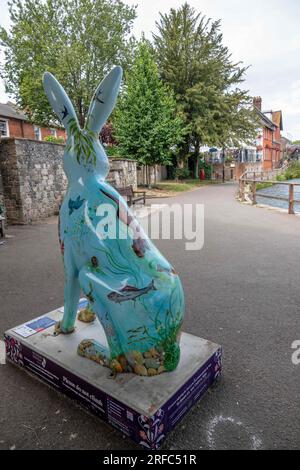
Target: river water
x=280 y=190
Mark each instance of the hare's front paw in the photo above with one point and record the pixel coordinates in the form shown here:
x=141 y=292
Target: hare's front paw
x=58 y=330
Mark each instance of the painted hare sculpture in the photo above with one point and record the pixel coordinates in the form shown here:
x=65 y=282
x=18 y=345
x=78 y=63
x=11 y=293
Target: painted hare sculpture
x=135 y=293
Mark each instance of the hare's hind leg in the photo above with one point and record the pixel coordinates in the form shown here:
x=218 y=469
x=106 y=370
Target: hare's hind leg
x=91 y=348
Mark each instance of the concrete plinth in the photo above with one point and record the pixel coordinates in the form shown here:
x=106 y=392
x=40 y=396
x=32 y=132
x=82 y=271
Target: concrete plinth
x=144 y=408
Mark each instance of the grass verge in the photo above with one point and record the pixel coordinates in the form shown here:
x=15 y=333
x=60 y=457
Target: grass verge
x=263 y=186
x=177 y=187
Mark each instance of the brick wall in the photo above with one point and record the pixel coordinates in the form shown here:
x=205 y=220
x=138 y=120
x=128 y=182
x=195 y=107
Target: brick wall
x=34 y=182
x=45 y=131
x=15 y=127
x=24 y=129
x=271 y=149
x=28 y=131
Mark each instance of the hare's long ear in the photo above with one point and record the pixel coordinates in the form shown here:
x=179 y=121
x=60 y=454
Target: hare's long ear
x=59 y=101
x=104 y=100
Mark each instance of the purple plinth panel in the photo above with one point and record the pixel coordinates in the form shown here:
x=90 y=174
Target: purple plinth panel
x=149 y=430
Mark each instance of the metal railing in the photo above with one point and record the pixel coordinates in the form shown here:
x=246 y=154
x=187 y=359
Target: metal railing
x=264 y=175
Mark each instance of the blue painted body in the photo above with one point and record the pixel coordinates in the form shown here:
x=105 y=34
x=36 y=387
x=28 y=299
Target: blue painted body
x=134 y=291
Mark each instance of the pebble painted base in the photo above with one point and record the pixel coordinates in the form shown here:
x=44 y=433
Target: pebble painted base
x=93 y=350
x=149 y=363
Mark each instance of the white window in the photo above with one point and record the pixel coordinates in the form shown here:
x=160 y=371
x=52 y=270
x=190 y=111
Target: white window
x=53 y=132
x=4 y=130
x=37 y=133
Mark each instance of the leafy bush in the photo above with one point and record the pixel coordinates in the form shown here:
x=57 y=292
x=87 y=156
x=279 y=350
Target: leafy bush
x=182 y=173
x=293 y=171
x=54 y=140
x=111 y=150
x=280 y=178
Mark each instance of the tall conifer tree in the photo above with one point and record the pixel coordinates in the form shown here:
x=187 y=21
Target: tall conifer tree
x=194 y=62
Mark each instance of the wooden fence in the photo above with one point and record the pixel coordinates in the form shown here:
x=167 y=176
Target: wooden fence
x=253 y=182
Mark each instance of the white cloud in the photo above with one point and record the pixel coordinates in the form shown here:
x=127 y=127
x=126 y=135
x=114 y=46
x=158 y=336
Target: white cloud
x=264 y=34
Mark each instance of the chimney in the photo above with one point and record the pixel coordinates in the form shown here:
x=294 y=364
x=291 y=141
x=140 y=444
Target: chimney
x=257 y=102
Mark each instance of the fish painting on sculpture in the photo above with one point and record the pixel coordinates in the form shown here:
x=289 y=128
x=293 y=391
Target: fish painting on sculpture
x=132 y=289
x=130 y=293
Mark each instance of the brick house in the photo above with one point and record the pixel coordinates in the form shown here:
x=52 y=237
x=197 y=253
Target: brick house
x=265 y=154
x=14 y=123
x=272 y=151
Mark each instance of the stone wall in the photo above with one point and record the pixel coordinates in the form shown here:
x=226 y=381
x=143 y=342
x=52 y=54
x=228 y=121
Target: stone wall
x=241 y=168
x=122 y=172
x=233 y=171
x=228 y=171
x=157 y=173
x=33 y=179
x=2 y=205
x=34 y=182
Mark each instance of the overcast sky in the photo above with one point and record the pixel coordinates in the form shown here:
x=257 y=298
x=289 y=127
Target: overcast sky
x=264 y=34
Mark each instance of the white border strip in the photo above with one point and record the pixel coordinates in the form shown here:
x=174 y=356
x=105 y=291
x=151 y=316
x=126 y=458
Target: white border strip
x=2 y=352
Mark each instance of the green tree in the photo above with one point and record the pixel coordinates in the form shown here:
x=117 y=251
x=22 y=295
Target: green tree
x=76 y=40
x=146 y=123
x=194 y=62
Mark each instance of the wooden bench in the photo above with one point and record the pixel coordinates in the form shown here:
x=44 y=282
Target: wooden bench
x=131 y=195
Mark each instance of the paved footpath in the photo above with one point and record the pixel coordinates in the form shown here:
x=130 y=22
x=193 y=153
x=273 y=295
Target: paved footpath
x=242 y=291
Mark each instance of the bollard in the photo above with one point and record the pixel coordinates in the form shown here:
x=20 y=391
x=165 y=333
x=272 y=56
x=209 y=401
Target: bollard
x=254 y=193
x=291 y=199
